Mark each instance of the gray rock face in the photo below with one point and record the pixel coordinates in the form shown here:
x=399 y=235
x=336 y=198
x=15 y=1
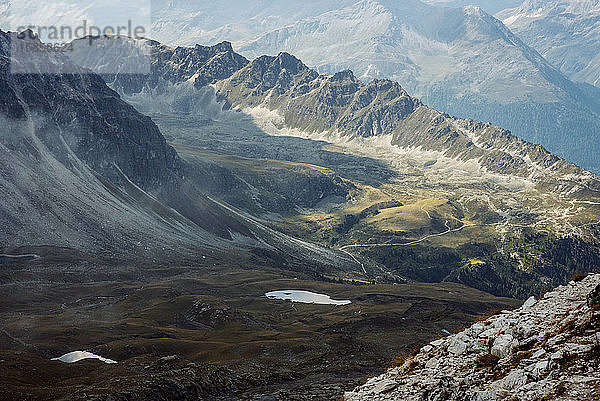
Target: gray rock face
x=457 y=347
x=560 y=363
x=90 y=118
x=83 y=169
x=503 y=345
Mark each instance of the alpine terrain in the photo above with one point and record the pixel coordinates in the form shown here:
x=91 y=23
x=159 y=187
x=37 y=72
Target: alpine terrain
x=277 y=200
x=115 y=246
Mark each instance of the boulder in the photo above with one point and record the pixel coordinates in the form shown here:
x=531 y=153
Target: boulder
x=503 y=345
x=457 y=347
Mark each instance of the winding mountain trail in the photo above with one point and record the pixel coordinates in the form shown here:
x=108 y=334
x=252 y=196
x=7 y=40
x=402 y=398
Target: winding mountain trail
x=449 y=231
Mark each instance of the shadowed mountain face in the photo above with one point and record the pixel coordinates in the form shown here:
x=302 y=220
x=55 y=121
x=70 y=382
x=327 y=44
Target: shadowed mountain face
x=79 y=111
x=76 y=162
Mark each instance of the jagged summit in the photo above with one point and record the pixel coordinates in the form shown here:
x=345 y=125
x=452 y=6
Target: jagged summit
x=549 y=349
x=346 y=75
x=203 y=65
x=224 y=46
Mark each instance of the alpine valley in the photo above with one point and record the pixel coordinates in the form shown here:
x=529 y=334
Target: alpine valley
x=146 y=216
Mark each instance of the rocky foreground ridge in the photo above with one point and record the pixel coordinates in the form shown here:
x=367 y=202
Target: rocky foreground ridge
x=549 y=349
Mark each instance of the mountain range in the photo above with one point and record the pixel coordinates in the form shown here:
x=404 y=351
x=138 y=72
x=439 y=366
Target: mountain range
x=566 y=33
x=454 y=57
x=150 y=213
x=210 y=99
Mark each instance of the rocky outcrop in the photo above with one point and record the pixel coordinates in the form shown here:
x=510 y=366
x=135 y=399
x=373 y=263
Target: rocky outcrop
x=547 y=349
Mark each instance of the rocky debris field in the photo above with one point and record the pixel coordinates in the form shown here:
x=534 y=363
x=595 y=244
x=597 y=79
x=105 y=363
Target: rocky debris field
x=549 y=349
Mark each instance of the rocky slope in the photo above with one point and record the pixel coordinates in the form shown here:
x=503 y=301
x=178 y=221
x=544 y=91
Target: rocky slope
x=547 y=349
x=78 y=163
x=98 y=126
x=566 y=33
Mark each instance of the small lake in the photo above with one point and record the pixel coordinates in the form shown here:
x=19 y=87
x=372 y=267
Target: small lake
x=305 y=297
x=77 y=356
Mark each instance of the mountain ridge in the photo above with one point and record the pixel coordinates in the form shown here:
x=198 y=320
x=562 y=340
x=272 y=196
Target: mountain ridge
x=377 y=108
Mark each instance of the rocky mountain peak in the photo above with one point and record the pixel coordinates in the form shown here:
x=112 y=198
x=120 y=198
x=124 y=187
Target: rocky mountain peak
x=346 y=75
x=475 y=10
x=341 y=104
x=224 y=46
x=292 y=64
x=547 y=349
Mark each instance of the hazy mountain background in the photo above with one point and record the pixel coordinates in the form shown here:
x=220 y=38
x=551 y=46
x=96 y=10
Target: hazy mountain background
x=490 y=6
x=566 y=33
